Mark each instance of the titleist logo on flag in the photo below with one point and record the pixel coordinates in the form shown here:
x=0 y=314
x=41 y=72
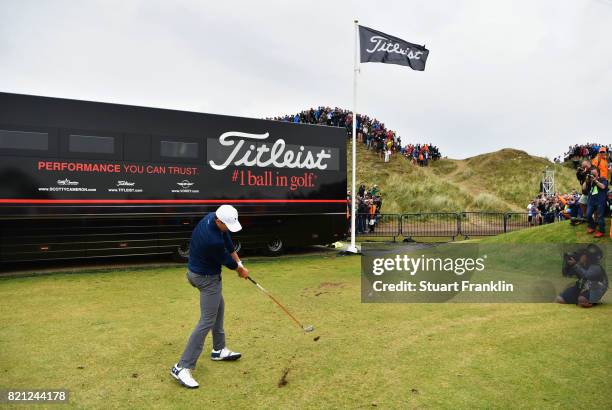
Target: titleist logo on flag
x=378 y=47
x=383 y=44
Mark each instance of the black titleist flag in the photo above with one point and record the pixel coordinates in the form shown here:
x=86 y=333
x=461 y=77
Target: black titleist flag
x=378 y=47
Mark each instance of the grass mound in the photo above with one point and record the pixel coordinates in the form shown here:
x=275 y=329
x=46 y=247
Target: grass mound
x=505 y=180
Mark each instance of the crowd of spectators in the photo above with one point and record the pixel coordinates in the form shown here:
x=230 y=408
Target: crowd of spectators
x=370 y=132
x=421 y=154
x=333 y=117
x=559 y=207
x=368 y=203
x=546 y=209
x=579 y=152
x=590 y=205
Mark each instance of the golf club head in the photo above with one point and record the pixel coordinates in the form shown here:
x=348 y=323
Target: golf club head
x=308 y=329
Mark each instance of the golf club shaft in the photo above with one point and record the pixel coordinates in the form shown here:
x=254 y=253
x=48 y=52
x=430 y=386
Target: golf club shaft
x=275 y=301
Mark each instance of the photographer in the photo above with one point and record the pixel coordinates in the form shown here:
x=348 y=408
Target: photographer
x=592 y=281
x=601 y=162
x=597 y=203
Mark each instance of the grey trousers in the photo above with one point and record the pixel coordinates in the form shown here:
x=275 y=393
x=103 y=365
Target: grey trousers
x=211 y=317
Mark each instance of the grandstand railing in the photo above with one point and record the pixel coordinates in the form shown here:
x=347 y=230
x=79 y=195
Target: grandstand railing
x=442 y=224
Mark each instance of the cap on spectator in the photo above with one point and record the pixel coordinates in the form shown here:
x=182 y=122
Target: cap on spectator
x=229 y=216
x=602 y=149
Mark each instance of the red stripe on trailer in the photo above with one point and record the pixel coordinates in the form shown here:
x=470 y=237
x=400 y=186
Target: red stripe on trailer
x=168 y=201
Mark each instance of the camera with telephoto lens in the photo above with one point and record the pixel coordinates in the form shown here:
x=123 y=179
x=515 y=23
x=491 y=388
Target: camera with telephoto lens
x=593 y=253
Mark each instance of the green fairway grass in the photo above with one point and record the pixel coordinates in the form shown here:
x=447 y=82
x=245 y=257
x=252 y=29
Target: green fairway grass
x=111 y=337
x=559 y=232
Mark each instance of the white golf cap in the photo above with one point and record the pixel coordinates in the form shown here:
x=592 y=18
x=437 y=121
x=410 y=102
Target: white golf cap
x=229 y=216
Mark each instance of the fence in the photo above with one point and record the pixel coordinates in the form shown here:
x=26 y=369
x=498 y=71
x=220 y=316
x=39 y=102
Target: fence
x=441 y=224
x=516 y=221
x=430 y=225
x=481 y=223
x=383 y=225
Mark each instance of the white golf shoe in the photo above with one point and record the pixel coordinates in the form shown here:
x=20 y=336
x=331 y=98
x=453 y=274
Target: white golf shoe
x=184 y=377
x=224 y=354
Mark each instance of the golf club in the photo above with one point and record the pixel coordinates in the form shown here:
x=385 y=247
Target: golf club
x=306 y=329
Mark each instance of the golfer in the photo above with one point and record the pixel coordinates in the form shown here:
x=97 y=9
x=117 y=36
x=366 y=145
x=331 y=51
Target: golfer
x=210 y=247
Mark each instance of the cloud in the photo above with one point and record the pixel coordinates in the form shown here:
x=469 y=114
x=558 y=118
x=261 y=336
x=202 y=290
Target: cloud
x=523 y=74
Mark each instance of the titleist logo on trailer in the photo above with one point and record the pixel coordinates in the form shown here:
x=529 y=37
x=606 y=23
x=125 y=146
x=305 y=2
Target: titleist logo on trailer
x=234 y=148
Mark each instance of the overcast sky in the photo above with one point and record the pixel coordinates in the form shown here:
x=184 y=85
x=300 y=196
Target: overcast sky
x=534 y=75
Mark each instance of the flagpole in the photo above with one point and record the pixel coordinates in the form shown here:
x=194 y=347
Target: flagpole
x=352 y=248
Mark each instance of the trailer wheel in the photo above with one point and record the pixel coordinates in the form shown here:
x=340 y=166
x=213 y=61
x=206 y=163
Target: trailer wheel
x=275 y=247
x=181 y=254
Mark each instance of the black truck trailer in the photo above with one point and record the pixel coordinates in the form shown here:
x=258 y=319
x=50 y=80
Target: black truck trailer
x=85 y=179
